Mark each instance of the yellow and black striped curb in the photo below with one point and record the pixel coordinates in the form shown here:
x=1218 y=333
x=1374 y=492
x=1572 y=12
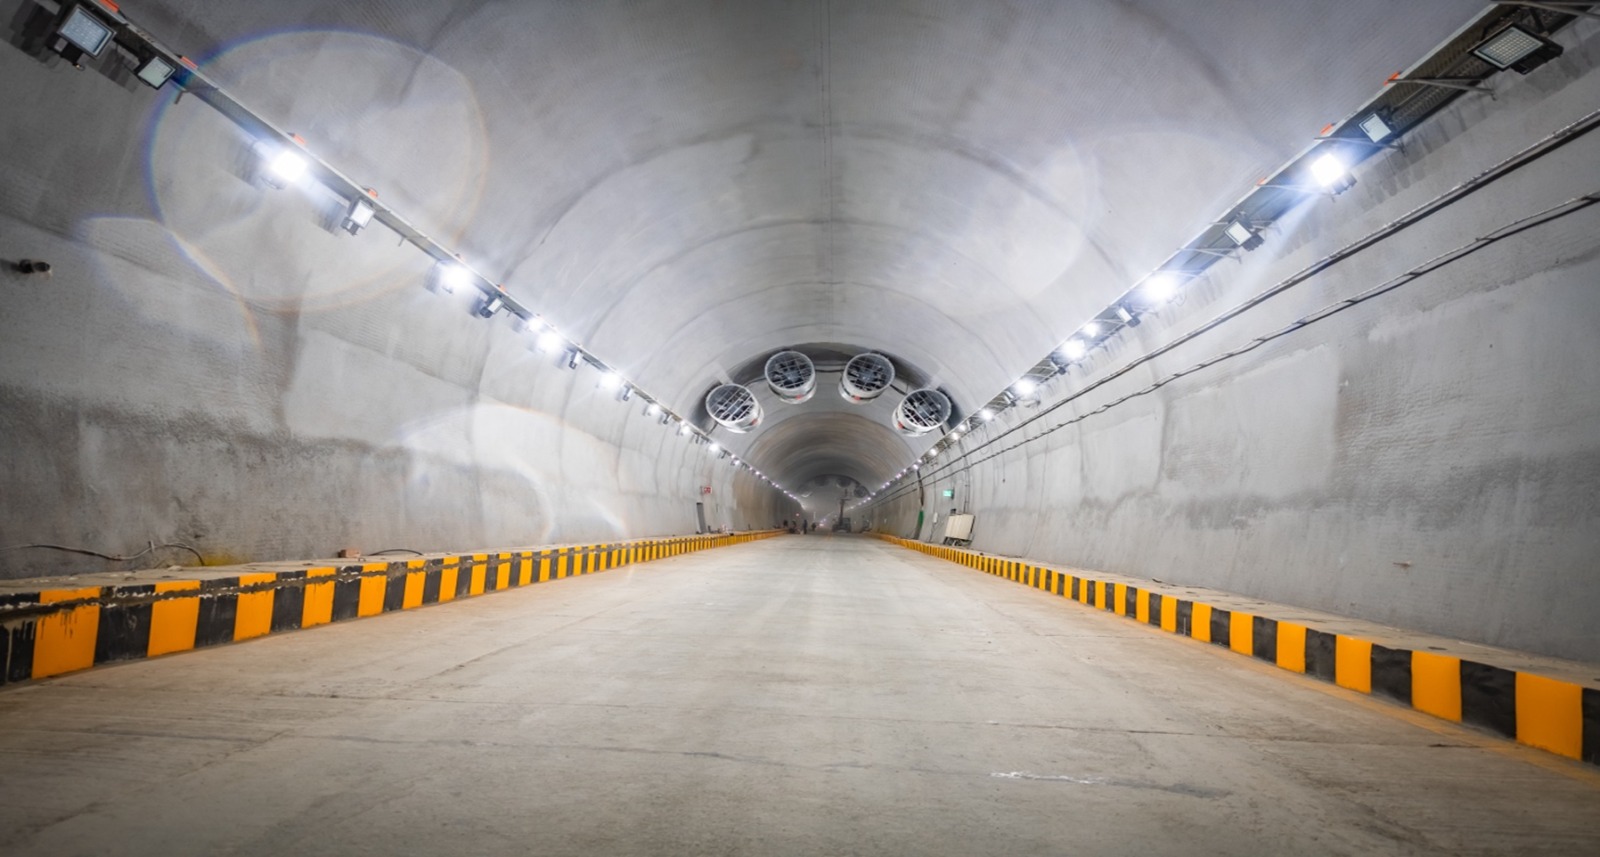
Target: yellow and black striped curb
x=54 y=631
x=1537 y=710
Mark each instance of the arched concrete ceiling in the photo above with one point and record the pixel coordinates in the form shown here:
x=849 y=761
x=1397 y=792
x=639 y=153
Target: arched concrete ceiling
x=688 y=186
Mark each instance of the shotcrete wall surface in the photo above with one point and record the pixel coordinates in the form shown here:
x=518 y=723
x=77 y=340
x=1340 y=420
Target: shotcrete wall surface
x=1429 y=458
x=213 y=363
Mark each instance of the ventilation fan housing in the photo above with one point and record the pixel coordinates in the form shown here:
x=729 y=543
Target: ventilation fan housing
x=866 y=376
x=734 y=407
x=792 y=376
x=921 y=411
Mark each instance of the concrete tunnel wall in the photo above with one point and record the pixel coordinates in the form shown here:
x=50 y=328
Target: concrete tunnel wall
x=284 y=390
x=214 y=363
x=1429 y=458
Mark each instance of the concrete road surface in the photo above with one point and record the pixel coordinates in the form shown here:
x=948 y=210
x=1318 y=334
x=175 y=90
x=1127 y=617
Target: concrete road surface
x=802 y=695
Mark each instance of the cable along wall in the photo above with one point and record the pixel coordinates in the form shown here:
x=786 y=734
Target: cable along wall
x=1399 y=426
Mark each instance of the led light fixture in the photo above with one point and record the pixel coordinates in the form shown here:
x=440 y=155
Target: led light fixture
x=986 y=415
x=359 y=215
x=1126 y=316
x=287 y=167
x=489 y=306
x=1244 y=236
x=280 y=166
x=1376 y=128
x=713 y=448
x=1025 y=387
x=1332 y=173
x=1091 y=329
x=548 y=341
x=448 y=276
x=683 y=429
x=653 y=410
x=81 y=33
x=1160 y=287
x=1073 y=349
x=155 y=71
x=1517 y=49
x=610 y=381
x=574 y=357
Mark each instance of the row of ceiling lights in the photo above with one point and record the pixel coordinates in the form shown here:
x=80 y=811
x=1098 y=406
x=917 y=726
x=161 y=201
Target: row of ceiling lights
x=1330 y=172
x=284 y=167
x=88 y=28
x=1322 y=170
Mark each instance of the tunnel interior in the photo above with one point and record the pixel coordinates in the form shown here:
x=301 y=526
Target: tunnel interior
x=657 y=198
x=407 y=407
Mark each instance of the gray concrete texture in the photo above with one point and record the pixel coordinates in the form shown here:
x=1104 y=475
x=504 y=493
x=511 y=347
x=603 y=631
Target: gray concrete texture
x=816 y=695
x=687 y=187
x=1429 y=459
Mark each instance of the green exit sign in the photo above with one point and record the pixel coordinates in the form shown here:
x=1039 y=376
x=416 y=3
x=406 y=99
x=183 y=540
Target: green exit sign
x=949 y=492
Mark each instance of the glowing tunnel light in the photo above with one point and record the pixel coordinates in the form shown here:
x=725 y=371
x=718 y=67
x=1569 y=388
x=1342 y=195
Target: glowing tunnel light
x=287 y=167
x=1330 y=171
x=1160 y=287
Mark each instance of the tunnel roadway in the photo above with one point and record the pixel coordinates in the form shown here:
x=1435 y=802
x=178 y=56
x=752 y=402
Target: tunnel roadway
x=803 y=695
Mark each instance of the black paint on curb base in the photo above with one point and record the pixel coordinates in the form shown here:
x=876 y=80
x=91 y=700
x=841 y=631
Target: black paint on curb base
x=1591 y=726
x=1489 y=697
x=464 y=580
x=347 y=593
x=1155 y=608
x=1391 y=672
x=20 y=667
x=123 y=632
x=1221 y=627
x=1264 y=638
x=218 y=612
x=1130 y=600
x=288 y=603
x=1321 y=654
x=1185 y=618
x=394 y=592
x=7 y=633
x=430 y=585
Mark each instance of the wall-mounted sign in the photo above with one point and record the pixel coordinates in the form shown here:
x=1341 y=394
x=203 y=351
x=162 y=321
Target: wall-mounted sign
x=705 y=489
x=949 y=492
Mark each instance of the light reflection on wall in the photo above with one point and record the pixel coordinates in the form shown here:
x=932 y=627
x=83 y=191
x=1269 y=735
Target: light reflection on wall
x=144 y=277
x=386 y=114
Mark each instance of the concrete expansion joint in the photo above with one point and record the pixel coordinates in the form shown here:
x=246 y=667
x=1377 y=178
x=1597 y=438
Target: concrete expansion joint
x=1493 y=689
x=47 y=631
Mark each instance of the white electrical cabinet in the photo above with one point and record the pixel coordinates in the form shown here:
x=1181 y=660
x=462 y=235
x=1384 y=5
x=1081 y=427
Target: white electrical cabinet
x=958 y=528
